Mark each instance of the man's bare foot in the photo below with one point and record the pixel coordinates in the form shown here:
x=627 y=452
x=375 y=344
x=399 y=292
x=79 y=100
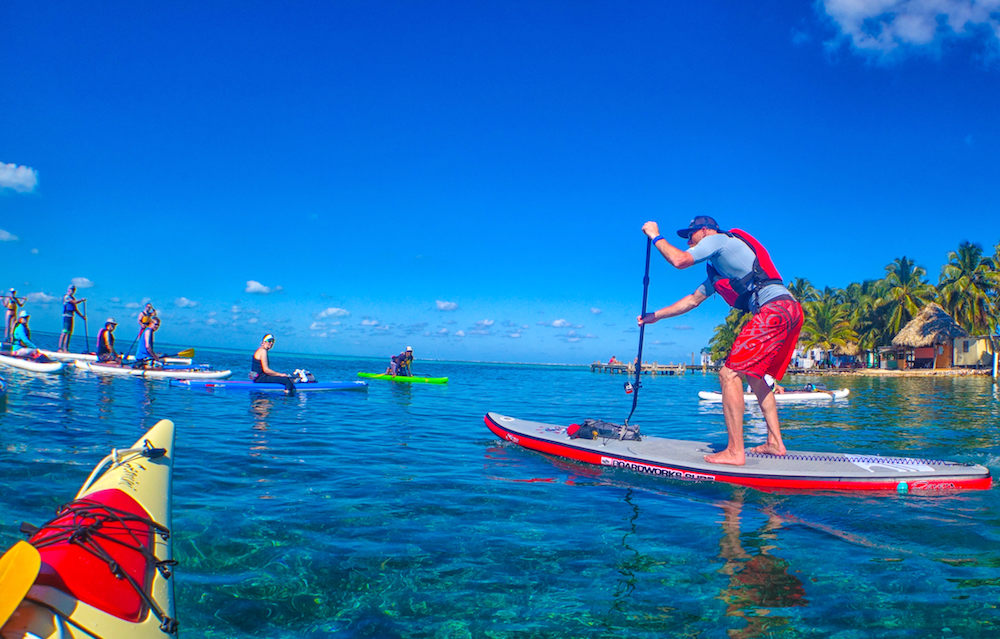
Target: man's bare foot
x=768 y=449
x=727 y=457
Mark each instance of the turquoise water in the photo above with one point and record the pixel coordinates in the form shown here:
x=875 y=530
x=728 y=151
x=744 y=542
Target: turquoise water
x=395 y=513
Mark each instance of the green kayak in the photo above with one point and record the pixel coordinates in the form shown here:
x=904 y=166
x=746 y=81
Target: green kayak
x=405 y=378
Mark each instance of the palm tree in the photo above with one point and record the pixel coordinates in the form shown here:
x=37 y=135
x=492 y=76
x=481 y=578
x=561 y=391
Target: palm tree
x=907 y=292
x=862 y=301
x=826 y=325
x=726 y=333
x=803 y=290
x=968 y=287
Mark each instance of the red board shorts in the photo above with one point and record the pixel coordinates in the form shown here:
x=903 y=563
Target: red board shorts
x=767 y=341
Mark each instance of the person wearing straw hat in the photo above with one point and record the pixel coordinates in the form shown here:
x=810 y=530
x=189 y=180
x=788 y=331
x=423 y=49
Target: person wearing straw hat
x=106 y=342
x=21 y=344
x=71 y=307
x=741 y=271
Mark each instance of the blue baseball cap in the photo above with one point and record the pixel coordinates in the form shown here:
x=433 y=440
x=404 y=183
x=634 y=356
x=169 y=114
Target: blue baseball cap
x=699 y=222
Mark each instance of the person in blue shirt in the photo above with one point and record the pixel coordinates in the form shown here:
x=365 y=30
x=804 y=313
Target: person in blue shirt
x=21 y=344
x=145 y=354
x=71 y=307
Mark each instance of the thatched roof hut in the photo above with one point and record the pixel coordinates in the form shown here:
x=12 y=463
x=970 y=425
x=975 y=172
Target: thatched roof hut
x=850 y=349
x=931 y=326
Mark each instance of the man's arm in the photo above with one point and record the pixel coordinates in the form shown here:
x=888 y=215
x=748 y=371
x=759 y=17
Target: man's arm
x=681 y=306
x=674 y=255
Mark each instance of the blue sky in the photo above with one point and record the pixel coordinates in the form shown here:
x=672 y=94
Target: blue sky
x=470 y=178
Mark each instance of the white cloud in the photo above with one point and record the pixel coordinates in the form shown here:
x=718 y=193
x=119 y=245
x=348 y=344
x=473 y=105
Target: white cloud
x=82 y=282
x=333 y=312
x=317 y=326
x=369 y=322
x=252 y=320
x=485 y=323
x=446 y=306
x=211 y=321
x=184 y=302
x=17 y=177
x=595 y=310
x=7 y=236
x=34 y=251
x=560 y=323
x=253 y=286
x=880 y=27
x=41 y=298
x=132 y=305
x=459 y=333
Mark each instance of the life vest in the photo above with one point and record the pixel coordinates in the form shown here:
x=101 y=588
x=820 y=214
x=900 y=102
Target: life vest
x=105 y=341
x=737 y=292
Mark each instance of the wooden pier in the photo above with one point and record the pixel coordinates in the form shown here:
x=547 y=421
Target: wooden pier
x=647 y=368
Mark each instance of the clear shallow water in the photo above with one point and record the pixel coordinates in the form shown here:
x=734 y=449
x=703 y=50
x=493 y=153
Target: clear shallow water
x=396 y=513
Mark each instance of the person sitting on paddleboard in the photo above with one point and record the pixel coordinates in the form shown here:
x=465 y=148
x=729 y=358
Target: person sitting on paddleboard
x=11 y=302
x=740 y=269
x=106 y=343
x=400 y=364
x=261 y=372
x=21 y=344
x=145 y=356
x=71 y=307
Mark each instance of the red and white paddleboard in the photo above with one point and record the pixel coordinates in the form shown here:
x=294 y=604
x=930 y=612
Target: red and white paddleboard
x=798 y=470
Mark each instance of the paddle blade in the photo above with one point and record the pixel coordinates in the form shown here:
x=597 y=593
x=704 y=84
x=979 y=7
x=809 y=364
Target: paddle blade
x=187 y=352
x=18 y=569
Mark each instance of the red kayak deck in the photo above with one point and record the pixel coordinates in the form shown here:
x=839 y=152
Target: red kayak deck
x=75 y=548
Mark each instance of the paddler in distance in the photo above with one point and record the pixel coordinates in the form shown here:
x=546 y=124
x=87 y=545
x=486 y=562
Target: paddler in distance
x=11 y=302
x=740 y=269
x=145 y=355
x=106 y=343
x=401 y=364
x=71 y=307
x=261 y=371
x=21 y=344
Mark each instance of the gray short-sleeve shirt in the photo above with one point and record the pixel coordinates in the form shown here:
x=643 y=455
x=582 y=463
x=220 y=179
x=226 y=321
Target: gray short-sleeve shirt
x=733 y=259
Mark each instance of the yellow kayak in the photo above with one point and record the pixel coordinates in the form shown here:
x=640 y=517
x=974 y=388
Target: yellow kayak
x=121 y=518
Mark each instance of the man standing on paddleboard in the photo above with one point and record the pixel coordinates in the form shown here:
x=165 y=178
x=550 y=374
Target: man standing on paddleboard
x=740 y=269
x=71 y=307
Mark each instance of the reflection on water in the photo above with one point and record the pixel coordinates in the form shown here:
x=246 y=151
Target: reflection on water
x=631 y=560
x=402 y=392
x=758 y=580
x=105 y=396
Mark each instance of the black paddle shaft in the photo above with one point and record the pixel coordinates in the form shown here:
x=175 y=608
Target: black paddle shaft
x=642 y=328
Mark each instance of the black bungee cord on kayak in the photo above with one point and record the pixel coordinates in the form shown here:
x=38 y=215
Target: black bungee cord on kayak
x=84 y=524
x=634 y=386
